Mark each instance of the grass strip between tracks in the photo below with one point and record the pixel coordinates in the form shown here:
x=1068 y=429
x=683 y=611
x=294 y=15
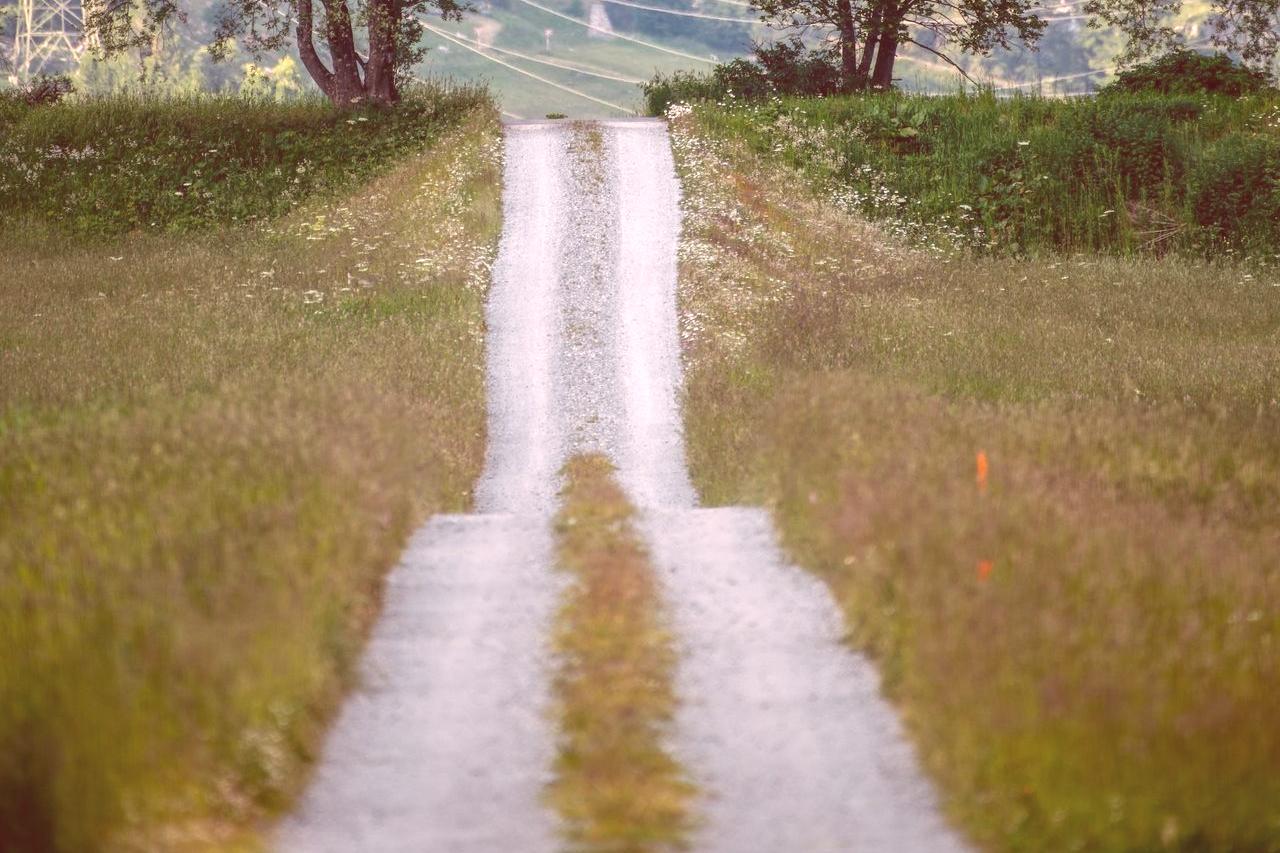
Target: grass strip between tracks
x=616 y=787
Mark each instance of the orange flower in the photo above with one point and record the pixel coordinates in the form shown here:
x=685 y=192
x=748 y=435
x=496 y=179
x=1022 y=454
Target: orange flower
x=982 y=471
x=984 y=569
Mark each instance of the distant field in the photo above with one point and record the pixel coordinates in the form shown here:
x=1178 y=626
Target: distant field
x=1045 y=492
x=521 y=28
x=213 y=445
x=1072 y=58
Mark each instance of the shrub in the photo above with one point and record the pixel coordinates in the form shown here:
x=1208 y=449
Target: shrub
x=1236 y=189
x=680 y=87
x=1135 y=138
x=784 y=68
x=793 y=69
x=1185 y=72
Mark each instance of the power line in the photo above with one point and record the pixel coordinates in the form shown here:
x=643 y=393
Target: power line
x=684 y=14
x=642 y=42
x=604 y=75
x=529 y=74
x=1091 y=72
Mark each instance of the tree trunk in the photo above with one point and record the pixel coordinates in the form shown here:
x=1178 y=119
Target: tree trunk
x=307 y=51
x=380 y=72
x=886 y=53
x=869 y=49
x=348 y=88
x=352 y=79
x=848 y=45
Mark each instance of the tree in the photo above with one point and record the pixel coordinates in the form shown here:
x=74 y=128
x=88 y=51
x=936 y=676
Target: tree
x=367 y=49
x=870 y=32
x=1249 y=29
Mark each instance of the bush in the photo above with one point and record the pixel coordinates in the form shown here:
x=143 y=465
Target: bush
x=793 y=69
x=1137 y=138
x=784 y=68
x=1185 y=72
x=1236 y=189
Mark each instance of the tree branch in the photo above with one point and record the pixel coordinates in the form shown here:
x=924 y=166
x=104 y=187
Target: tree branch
x=944 y=58
x=307 y=50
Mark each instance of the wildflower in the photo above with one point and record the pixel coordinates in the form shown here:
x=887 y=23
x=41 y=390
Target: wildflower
x=1023 y=143
x=985 y=567
x=982 y=471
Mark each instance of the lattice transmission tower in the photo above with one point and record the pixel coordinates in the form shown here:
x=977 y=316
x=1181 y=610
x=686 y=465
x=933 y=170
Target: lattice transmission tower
x=47 y=36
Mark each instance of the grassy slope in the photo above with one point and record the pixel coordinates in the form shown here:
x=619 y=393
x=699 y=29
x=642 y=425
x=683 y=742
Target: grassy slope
x=616 y=786
x=1033 y=175
x=109 y=165
x=211 y=448
x=1087 y=650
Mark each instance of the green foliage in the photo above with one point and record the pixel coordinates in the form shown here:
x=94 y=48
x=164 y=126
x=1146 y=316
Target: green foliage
x=1235 y=188
x=113 y=164
x=1123 y=173
x=783 y=68
x=1186 y=72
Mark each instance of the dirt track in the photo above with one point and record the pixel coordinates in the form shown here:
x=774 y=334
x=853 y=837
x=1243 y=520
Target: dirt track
x=449 y=744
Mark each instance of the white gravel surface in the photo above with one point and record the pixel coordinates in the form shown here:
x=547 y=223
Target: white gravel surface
x=448 y=745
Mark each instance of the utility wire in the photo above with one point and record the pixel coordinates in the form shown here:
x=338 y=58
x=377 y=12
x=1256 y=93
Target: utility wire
x=519 y=70
x=642 y=42
x=1091 y=72
x=684 y=14
x=604 y=75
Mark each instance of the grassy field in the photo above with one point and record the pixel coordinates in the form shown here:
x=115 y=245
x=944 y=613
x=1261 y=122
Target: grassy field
x=616 y=786
x=212 y=446
x=1034 y=176
x=110 y=165
x=1045 y=493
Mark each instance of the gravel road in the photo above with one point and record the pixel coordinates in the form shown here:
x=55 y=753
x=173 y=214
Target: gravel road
x=448 y=745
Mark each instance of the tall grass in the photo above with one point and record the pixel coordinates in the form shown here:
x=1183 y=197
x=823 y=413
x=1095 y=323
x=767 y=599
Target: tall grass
x=211 y=448
x=1081 y=629
x=111 y=164
x=1118 y=173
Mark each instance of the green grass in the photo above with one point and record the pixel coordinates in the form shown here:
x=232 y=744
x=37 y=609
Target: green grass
x=212 y=447
x=616 y=785
x=1085 y=650
x=1027 y=176
x=112 y=164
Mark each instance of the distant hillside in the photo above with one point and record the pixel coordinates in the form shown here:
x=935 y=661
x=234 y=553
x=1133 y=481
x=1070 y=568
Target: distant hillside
x=510 y=43
x=557 y=56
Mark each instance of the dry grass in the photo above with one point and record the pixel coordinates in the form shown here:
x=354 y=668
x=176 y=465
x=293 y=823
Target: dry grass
x=1087 y=645
x=211 y=449
x=616 y=786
